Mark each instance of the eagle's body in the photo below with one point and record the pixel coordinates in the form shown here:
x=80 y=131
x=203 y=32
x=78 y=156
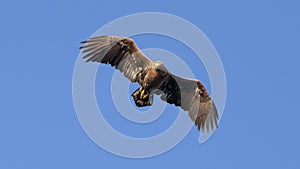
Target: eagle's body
x=153 y=78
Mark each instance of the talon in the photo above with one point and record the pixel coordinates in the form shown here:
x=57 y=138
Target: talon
x=143 y=95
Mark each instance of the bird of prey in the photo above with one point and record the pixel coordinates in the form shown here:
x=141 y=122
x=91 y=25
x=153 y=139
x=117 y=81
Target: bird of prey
x=153 y=78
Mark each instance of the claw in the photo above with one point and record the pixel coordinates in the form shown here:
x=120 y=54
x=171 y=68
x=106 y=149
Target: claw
x=143 y=95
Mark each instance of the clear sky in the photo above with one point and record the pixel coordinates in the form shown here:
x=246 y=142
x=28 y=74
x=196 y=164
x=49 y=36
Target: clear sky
x=258 y=43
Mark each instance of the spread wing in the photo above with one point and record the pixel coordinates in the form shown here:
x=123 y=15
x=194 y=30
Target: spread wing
x=119 y=52
x=191 y=96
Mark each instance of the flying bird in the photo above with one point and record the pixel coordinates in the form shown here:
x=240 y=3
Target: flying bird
x=153 y=78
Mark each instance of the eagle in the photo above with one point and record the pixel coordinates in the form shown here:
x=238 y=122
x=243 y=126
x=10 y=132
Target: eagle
x=153 y=78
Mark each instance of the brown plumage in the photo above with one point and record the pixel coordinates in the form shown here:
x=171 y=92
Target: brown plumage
x=154 y=78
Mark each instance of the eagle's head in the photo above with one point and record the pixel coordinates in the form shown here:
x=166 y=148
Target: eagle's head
x=159 y=66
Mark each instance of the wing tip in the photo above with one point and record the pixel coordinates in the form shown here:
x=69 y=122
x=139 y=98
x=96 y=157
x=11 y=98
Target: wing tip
x=210 y=122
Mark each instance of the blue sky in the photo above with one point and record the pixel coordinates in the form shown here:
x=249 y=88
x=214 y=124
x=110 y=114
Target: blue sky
x=258 y=43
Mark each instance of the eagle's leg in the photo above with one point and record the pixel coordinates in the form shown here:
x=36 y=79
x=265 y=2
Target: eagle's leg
x=142 y=98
